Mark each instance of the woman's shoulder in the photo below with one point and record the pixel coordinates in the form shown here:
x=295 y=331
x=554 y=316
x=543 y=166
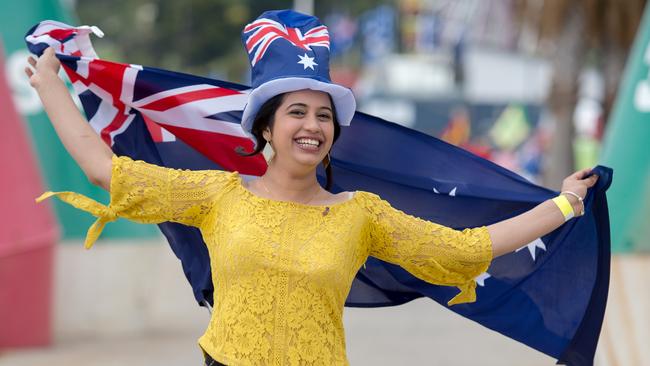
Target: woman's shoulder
x=368 y=196
x=126 y=162
x=209 y=178
x=371 y=202
x=341 y=197
x=345 y=196
x=360 y=199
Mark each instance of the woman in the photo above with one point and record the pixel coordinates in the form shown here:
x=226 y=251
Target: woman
x=284 y=250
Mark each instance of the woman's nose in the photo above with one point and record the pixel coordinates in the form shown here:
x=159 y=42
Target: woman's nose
x=311 y=123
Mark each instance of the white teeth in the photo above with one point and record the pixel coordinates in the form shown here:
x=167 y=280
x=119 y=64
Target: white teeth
x=308 y=142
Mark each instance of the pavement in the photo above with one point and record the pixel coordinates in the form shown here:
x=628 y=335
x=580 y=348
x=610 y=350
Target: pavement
x=418 y=333
x=143 y=314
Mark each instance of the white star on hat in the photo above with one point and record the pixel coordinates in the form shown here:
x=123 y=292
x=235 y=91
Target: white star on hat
x=307 y=62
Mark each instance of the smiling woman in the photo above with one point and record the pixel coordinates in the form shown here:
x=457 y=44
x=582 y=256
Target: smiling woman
x=301 y=128
x=283 y=250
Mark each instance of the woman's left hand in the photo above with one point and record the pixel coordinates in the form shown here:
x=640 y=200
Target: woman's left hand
x=578 y=184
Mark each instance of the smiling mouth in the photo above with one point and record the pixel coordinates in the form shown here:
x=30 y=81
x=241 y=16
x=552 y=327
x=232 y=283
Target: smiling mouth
x=308 y=144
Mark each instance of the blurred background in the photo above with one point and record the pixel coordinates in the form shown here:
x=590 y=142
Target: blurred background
x=542 y=88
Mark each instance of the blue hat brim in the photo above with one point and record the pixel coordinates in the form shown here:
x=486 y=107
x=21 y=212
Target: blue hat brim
x=342 y=97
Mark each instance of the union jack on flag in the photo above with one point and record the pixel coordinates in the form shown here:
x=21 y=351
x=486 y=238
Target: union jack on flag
x=264 y=31
x=550 y=296
x=117 y=95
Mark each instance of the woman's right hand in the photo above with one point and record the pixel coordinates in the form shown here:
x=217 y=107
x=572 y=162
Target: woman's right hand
x=79 y=138
x=45 y=66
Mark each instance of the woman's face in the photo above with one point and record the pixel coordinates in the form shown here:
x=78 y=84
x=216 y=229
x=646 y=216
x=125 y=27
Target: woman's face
x=303 y=128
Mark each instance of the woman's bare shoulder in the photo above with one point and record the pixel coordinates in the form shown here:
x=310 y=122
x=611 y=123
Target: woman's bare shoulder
x=334 y=198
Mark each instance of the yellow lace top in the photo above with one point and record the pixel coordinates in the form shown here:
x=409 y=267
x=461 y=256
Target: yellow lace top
x=282 y=270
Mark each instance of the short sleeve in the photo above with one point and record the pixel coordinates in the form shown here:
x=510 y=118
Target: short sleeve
x=148 y=193
x=434 y=253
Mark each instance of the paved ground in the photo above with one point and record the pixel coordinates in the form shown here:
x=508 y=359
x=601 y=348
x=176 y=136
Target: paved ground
x=420 y=333
x=161 y=327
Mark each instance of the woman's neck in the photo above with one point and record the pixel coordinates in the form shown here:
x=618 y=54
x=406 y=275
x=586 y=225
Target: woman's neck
x=290 y=184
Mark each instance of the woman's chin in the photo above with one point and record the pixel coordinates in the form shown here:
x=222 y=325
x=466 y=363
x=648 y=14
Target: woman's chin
x=307 y=160
x=311 y=162
x=311 y=156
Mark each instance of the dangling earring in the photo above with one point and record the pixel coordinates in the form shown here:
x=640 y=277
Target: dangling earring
x=272 y=155
x=326 y=161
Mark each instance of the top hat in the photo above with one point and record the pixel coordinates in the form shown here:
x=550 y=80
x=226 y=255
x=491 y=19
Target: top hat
x=289 y=51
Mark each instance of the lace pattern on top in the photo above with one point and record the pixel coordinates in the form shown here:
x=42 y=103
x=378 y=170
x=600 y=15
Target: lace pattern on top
x=434 y=253
x=147 y=193
x=281 y=270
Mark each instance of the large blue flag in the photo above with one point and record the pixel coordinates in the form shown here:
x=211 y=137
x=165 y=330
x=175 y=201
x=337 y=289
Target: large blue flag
x=550 y=294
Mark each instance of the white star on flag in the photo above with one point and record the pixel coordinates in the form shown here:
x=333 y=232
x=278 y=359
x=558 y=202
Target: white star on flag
x=537 y=243
x=480 y=279
x=307 y=62
x=451 y=193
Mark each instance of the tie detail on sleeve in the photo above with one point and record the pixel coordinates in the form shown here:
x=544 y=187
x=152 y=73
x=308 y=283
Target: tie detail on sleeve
x=103 y=213
x=151 y=194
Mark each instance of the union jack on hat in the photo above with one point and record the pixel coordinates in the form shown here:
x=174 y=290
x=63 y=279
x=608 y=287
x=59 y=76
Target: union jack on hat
x=290 y=51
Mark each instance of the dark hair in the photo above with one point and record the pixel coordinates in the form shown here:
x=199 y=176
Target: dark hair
x=265 y=118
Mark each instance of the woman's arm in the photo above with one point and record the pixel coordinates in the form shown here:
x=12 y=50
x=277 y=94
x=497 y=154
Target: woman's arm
x=82 y=142
x=511 y=234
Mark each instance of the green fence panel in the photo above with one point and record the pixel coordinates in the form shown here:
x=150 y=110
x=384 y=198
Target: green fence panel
x=626 y=148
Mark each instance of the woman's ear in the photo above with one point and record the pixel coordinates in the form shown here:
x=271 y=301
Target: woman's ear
x=267 y=134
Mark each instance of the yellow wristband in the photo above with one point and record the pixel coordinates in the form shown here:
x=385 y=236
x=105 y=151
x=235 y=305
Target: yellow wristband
x=565 y=206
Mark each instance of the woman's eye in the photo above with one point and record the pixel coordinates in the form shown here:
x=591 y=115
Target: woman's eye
x=325 y=116
x=297 y=112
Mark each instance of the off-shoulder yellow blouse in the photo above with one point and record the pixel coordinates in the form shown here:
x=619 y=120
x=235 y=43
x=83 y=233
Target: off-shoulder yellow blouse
x=282 y=270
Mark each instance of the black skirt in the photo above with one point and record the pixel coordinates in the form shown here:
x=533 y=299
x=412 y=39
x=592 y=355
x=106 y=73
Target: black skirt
x=210 y=362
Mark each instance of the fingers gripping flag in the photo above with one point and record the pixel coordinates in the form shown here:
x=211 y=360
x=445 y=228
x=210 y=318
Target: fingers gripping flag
x=550 y=294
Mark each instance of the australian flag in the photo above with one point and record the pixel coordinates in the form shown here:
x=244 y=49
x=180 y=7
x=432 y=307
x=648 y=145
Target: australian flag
x=550 y=294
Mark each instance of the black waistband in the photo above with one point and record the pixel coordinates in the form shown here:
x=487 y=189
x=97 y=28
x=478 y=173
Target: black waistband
x=210 y=362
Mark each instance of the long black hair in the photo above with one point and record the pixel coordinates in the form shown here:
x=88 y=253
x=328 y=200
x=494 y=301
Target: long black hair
x=265 y=118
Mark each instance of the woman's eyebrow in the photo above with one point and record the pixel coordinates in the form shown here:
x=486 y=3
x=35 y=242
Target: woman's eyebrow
x=297 y=105
x=306 y=106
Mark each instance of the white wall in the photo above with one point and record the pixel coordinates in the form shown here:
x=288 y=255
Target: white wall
x=121 y=288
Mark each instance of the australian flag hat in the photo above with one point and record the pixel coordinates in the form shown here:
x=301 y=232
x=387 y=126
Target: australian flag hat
x=290 y=51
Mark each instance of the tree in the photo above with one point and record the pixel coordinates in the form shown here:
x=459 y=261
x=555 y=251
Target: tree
x=195 y=36
x=567 y=31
